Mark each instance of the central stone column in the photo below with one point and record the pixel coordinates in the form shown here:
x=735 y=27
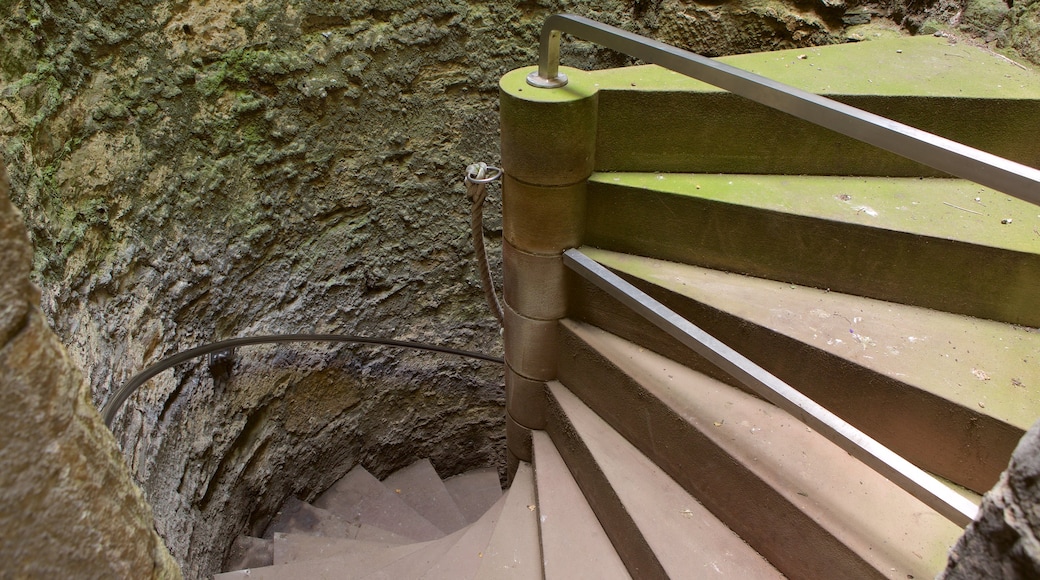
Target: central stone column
x=548 y=146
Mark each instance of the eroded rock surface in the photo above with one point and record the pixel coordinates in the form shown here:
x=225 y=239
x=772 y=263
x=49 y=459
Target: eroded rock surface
x=68 y=507
x=1020 y=29
x=1009 y=25
x=1003 y=540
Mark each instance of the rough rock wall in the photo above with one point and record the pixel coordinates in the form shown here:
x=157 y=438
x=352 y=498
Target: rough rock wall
x=194 y=170
x=1020 y=27
x=1011 y=25
x=1003 y=540
x=68 y=506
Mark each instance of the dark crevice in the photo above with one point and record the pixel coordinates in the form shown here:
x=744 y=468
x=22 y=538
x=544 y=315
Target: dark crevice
x=15 y=329
x=232 y=456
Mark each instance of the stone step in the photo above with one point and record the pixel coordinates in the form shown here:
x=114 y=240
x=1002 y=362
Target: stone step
x=417 y=563
x=298 y=517
x=304 y=541
x=337 y=558
x=806 y=505
x=370 y=533
x=463 y=559
x=249 y=552
x=574 y=544
x=362 y=499
x=513 y=550
x=944 y=244
x=421 y=488
x=948 y=392
x=651 y=119
x=475 y=491
x=660 y=531
x=354 y=565
x=290 y=548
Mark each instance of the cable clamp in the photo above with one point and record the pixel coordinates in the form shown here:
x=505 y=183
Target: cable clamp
x=482 y=173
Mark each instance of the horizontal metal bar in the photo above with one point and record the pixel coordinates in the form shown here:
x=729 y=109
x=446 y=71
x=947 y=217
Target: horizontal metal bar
x=1012 y=178
x=918 y=483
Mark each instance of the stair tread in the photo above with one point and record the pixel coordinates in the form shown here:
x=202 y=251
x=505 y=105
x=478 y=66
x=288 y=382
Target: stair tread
x=936 y=387
x=967 y=360
x=361 y=498
x=463 y=559
x=249 y=552
x=300 y=517
x=474 y=491
x=887 y=529
x=370 y=533
x=925 y=242
x=513 y=550
x=895 y=69
x=574 y=544
x=297 y=547
x=414 y=564
x=421 y=488
x=354 y=565
x=685 y=538
x=652 y=119
x=933 y=207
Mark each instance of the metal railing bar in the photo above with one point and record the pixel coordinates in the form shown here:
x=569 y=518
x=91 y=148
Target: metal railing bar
x=108 y=412
x=954 y=158
x=911 y=478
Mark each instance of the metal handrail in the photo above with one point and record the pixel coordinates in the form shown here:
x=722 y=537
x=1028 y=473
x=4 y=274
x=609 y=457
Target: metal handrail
x=108 y=412
x=954 y=158
x=906 y=475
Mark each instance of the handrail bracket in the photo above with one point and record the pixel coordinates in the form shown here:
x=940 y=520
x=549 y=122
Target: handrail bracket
x=548 y=75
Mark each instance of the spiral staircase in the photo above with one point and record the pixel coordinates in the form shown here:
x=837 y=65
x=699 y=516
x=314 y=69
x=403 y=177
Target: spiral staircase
x=896 y=297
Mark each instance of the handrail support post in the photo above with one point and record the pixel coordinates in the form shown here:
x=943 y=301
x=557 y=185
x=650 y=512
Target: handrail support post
x=548 y=75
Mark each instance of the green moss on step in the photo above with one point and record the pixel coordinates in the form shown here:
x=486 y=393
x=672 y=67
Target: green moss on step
x=921 y=242
x=950 y=209
x=905 y=66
